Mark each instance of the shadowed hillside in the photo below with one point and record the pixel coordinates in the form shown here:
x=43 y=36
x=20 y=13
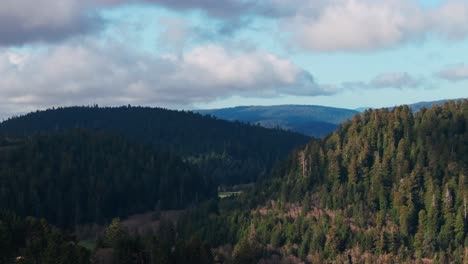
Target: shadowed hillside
x=228 y=152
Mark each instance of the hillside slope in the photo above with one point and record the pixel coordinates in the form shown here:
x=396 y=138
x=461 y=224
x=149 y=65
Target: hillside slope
x=391 y=177
x=311 y=120
x=229 y=152
x=77 y=176
x=387 y=187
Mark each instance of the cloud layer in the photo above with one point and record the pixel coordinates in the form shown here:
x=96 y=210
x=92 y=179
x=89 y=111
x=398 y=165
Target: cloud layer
x=318 y=25
x=73 y=68
x=23 y=21
x=454 y=73
x=26 y=21
x=362 y=25
x=88 y=73
x=390 y=80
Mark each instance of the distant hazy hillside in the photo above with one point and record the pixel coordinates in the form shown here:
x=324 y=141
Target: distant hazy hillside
x=308 y=119
x=362 y=109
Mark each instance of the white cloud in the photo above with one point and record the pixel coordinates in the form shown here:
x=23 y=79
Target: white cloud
x=87 y=73
x=454 y=73
x=390 y=80
x=395 y=80
x=353 y=25
x=450 y=20
x=363 y=25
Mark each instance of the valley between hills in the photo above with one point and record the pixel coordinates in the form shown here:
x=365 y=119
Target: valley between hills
x=151 y=185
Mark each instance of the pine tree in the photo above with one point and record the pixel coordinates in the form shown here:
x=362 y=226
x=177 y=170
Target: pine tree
x=459 y=228
x=305 y=245
x=419 y=237
x=114 y=233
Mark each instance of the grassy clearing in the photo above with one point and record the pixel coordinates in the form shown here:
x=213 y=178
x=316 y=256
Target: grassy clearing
x=223 y=195
x=89 y=244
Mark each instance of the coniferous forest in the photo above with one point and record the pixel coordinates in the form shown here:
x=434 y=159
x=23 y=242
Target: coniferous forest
x=388 y=186
x=79 y=177
x=230 y=152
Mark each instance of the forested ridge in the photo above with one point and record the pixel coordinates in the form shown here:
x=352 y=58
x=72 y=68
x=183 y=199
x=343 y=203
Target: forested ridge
x=230 y=152
x=389 y=186
x=394 y=181
x=78 y=176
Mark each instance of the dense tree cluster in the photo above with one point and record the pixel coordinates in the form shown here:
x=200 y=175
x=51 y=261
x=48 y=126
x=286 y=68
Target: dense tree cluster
x=33 y=241
x=118 y=246
x=77 y=176
x=230 y=152
x=397 y=179
x=389 y=185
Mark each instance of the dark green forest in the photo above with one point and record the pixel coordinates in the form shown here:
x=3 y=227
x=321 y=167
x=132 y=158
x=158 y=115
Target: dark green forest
x=78 y=177
x=230 y=152
x=33 y=241
x=388 y=186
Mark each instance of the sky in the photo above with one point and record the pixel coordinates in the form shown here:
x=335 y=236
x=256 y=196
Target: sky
x=190 y=54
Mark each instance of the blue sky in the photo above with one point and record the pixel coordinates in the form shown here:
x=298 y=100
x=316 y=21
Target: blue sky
x=189 y=54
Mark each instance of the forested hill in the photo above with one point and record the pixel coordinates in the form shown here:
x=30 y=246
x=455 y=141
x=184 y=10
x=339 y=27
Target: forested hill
x=394 y=184
x=230 y=152
x=386 y=187
x=77 y=176
x=311 y=120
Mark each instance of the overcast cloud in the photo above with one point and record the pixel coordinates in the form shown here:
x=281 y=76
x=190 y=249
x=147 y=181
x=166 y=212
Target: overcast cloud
x=24 y=21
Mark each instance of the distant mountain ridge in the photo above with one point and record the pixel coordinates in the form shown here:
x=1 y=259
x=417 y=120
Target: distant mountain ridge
x=312 y=120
